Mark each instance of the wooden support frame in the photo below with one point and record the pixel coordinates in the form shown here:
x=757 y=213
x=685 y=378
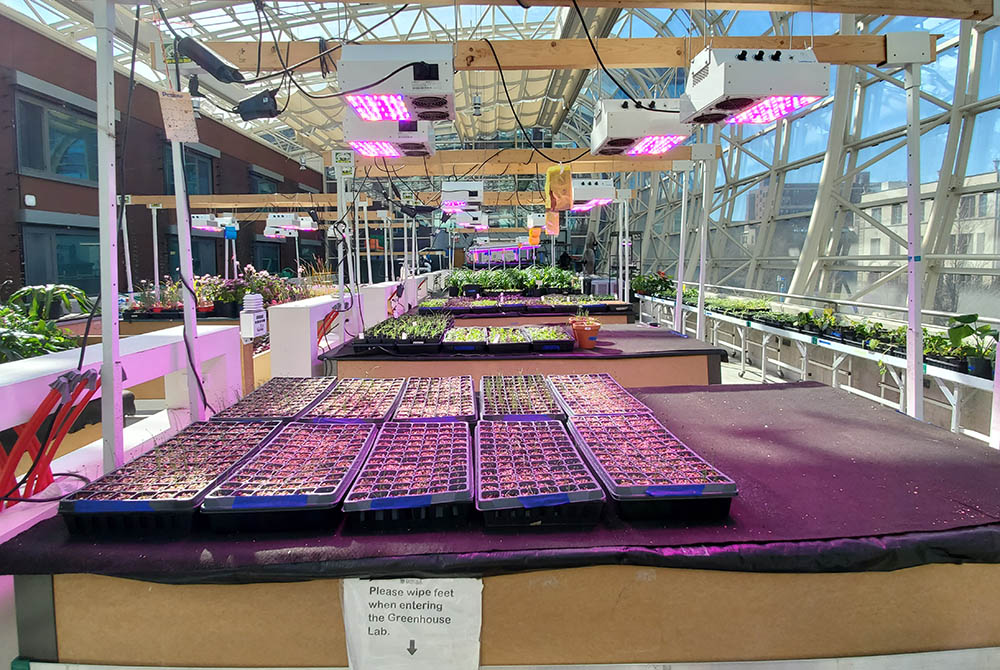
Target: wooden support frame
x=302 y=201
x=576 y=54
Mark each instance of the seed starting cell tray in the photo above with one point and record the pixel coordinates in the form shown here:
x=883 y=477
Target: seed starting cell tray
x=418 y=475
x=358 y=401
x=648 y=471
x=528 y=473
x=518 y=398
x=298 y=478
x=282 y=398
x=437 y=399
x=594 y=394
x=159 y=491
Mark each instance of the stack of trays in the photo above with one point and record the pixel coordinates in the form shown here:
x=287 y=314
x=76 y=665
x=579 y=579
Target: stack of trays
x=528 y=473
x=418 y=475
x=358 y=401
x=296 y=480
x=518 y=398
x=437 y=399
x=282 y=398
x=594 y=394
x=648 y=471
x=158 y=492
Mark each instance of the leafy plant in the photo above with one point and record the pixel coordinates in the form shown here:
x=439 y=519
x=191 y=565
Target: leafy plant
x=506 y=335
x=979 y=340
x=484 y=302
x=803 y=320
x=546 y=333
x=22 y=336
x=826 y=320
x=465 y=334
x=434 y=302
x=37 y=301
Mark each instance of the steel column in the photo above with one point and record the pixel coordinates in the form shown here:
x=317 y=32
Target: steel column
x=682 y=243
x=915 y=267
x=708 y=188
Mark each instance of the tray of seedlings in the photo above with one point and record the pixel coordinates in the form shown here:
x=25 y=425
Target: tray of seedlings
x=512 y=302
x=529 y=474
x=358 y=401
x=518 y=398
x=484 y=306
x=549 y=338
x=407 y=334
x=432 y=305
x=417 y=476
x=296 y=481
x=158 y=492
x=507 y=340
x=649 y=473
x=465 y=340
x=597 y=393
x=437 y=399
x=282 y=398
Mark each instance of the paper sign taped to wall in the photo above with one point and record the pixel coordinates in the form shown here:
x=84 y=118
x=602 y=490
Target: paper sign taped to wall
x=178 y=117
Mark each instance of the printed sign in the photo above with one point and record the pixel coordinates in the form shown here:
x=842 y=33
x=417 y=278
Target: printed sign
x=178 y=117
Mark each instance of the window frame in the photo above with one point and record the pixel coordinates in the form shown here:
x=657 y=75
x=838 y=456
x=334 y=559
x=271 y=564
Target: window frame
x=168 y=175
x=47 y=106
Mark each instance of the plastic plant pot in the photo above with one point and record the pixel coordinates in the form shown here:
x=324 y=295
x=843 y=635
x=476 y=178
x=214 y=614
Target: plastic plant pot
x=157 y=493
x=358 y=401
x=437 y=399
x=280 y=398
x=586 y=333
x=594 y=394
x=518 y=398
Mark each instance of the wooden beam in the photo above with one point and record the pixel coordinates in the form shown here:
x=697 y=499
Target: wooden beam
x=303 y=201
x=576 y=54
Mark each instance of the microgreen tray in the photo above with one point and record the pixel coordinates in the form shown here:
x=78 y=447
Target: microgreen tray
x=282 y=398
x=416 y=474
x=465 y=340
x=524 y=469
x=507 y=340
x=437 y=399
x=518 y=398
x=170 y=480
x=549 y=338
x=597 y=393
x=307 y=466
x=358 y=401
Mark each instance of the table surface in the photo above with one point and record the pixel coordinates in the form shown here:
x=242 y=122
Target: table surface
x=828 y=482
x=634 y=340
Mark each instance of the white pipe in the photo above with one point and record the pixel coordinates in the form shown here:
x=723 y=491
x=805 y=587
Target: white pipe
x=156 y=255
x=708 y=187
x=682 y=246
x=128 y=253
x=225 y=257
x=112 y=416
x=368 y=247
x=628 y=256
x=298 y=266
x=915 y=267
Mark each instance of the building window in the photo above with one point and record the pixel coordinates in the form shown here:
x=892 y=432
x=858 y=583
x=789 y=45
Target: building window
x=961 y=243
x=204 y=258
x=55 y=142
x=197 y=169
x=267 y=256
x=926 y=208
x=984 y=204
x=875 y=246
x=876 y=213
x=897 y=215
x=261 y=184
x=309 y=253
x=62 y=256
x=966 y=207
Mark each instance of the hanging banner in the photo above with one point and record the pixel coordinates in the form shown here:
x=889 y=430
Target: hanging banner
x=558 y=188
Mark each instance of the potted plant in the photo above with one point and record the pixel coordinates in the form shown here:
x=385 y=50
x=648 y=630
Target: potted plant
x=585 y=329
x=979 y=342
x=804 y=323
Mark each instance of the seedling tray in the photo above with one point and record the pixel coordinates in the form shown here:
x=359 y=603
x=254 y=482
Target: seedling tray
x=358 y=401
x=282 y=398
x=648 y=471
x=437 y=399
x=157 y=493
x=417 y=475
x=541 y=342
x=594 y=394
x=305 y=469
x=507 y=347
x=363 y=345
x=464 y=346
x=540 y=308
x=421 y=347
x=518 y=398
x=527 y=470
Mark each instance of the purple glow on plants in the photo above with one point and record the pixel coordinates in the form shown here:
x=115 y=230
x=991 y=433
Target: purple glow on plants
x=375 y=149
x=453 y=206
x=591 y=204
x=773 y=108
x=490 y=251
x=653 y=145
x=390 y=107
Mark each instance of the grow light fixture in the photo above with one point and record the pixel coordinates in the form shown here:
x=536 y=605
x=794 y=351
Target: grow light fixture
x=475 y=219
x=590 y=204
x=227 y=220
x=419 y=81
x=591 y=193
x=389 y=139
x=453 y=206
x=282 y=220
x=280 y=233
x=375 y=149
x=649 y=128
x=469 y=193
x=206 y=222
x=746 y=86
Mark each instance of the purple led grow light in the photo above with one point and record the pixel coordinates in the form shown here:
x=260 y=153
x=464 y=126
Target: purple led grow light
x=773 y=108
x=591 y=204
x=453 y=206
x=653 y=145
x=375 y=149
x=490 y=251
x=389 y=107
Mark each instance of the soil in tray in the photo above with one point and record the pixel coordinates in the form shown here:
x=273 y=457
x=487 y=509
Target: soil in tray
x=513 y=396
x=170 y=479
x=358 y=400
x=525 y=466
x=307 y=467
x=594 y=394
x=416 y=474
x=280 y=398
x=437 y=398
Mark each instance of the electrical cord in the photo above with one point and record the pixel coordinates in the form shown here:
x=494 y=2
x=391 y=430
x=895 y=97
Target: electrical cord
x=11 y=498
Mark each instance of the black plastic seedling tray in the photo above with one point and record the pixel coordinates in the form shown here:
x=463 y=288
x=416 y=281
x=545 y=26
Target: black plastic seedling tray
x=358 y=401
x=416 y=348
x=529 y=474
x=549 y=345
x=648 y=472
x=541 y=308
x=471 y=347
x=295 y=481
x=437 y=399
x=507 y=347
x=281 y=398
x=518 y=398
x=597 y=393
x=417 y=476
x=158 y=492
x=363 y=345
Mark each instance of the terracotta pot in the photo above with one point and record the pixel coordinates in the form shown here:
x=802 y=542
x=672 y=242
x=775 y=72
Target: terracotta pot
x=586 y=334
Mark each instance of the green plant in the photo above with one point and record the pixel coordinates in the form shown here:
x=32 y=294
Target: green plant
x=546 y=333
x=37 y=301
x=506 y=335
x=465 y=334
x=826 y=320
x=22 y=336
x=978 y=340
x=803 y=320
x=484 y=303
x=657 y=284
x=411 y=327
x=434 y=302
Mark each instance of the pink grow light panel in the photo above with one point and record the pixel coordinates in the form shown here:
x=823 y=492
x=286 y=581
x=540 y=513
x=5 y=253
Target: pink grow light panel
x=390 y=107
x=653 y=145
x=591 y=204
x=375 y=149
x=773 y=108
x=453 y=206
